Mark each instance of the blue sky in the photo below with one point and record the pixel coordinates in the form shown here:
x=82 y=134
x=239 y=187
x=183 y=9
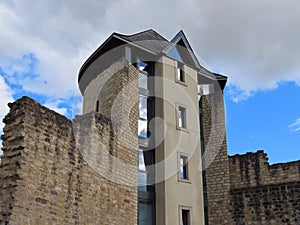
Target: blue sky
x=265 y=121
x=42 y=47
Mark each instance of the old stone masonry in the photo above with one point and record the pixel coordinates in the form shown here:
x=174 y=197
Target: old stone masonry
x=45 y=180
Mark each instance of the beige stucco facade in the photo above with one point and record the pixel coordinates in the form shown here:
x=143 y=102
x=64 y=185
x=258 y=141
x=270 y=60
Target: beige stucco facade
x=173 y=193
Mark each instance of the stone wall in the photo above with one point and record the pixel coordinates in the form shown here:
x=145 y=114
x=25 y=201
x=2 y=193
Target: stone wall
x=44 y=178
x=253 y=169
x=262 y=193
x=215 y=159
x=54 y=171
x=245 y=189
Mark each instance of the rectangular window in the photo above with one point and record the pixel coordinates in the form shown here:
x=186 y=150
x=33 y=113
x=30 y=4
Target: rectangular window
x=183 y=164
x=142 y=176
x=143 y=80
x=142 y=128
x=143 y=107
x=180 y=75
x=145 y=213
x=143 y=76
x=181 y=123
x=142 y=166
x=185 y=217
x=97 y=106
x=143 y=123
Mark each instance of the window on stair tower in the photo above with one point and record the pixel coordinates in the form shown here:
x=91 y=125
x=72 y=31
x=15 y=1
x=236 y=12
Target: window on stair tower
x=183 y=167
x=185 y=215
x=181 y=117
x=142 y=125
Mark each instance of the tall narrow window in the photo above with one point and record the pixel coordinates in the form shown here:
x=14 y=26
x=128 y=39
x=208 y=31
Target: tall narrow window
x=145 y=213
x=142 y=177
x=97 y=106
x=143 y=75
x=143 y=80
x=181 y=123
x=180 y=76
x=142 y=125
x=183 y=163
x=143 y=107
x=185 y=217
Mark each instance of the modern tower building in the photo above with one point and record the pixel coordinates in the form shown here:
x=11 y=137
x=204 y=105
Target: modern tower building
x=178 y=108
x=150 y=148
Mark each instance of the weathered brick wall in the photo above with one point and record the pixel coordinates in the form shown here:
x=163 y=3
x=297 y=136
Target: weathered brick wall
x=268 y=204
x=253 y=169
x=44 y=178
x=108 y=85
x=216 y=158
x=245 y=189
x=263 y=193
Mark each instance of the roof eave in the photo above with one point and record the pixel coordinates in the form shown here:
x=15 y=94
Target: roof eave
x=93 y=57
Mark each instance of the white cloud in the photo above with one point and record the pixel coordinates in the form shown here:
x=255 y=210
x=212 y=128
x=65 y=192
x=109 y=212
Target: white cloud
x=237 y=94
x=55 y=104
x=295 y=126
x=67 y=107
x=77 y=105
x=256 y=52
x=252 y=42
x=5 y=97
x=61 y=38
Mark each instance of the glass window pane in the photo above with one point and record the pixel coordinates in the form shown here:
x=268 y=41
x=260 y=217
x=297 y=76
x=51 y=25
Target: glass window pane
x=183 y=167
x=185 y=217
x=142 y=177
x=143 y=107
x=180 y=74
x=141 y=161
x=142 y=181
x=143 y=80
x=142 y=129
x=175 y=54
x=145 y=213
x=181 y=117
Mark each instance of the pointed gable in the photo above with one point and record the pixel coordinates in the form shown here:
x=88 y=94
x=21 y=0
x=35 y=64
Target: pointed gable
x=180 y=49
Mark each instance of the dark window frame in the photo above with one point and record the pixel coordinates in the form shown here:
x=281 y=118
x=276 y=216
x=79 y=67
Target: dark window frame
x=183 y=168
x=183 y=111
x=180 y=74
x=185 y=215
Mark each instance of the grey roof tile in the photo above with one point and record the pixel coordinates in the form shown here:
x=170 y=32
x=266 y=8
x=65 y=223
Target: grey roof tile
x=148 y=39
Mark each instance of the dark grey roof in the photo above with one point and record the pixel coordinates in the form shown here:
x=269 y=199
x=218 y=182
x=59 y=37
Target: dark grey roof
x=148 y=39
x=152 y=42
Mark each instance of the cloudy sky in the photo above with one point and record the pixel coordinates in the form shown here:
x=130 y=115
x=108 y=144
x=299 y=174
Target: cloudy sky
x=256 y=43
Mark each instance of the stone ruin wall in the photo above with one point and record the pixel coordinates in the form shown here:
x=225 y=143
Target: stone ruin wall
x=216 y=159
x=45 y=179
x=246 y=189
x=262 y=193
